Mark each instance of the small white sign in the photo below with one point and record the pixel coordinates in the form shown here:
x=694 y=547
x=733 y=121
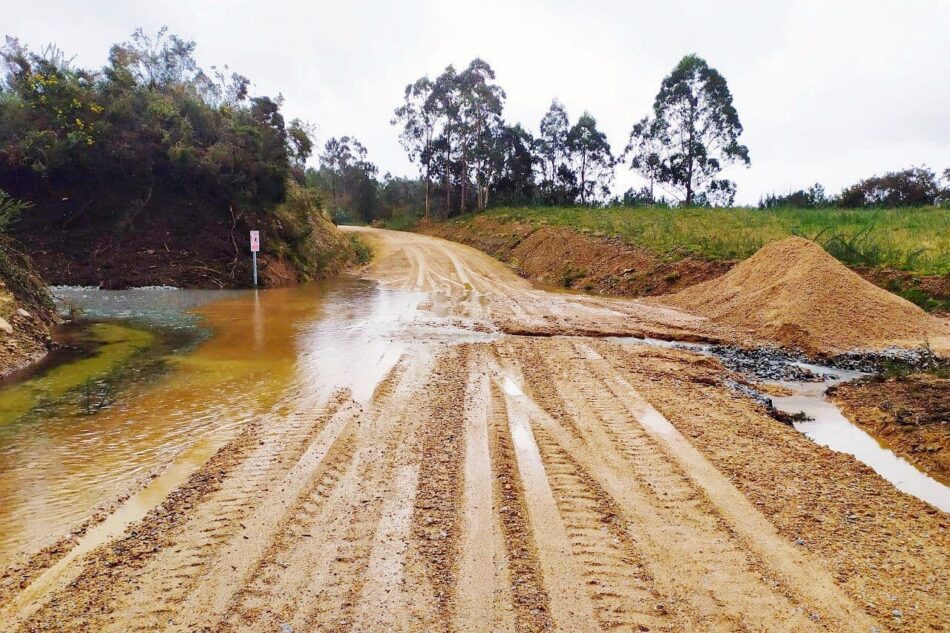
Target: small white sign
x=255 y=241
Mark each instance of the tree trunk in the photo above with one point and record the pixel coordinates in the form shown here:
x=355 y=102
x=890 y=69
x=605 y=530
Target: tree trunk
x=584 y=178
x=428 y=190
x=448 y=193
x=464 y=199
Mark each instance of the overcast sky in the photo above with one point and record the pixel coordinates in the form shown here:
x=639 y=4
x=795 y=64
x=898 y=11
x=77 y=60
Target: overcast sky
x=828 y=91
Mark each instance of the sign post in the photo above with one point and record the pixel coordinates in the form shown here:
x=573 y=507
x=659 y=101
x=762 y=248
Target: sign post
x=255 y=246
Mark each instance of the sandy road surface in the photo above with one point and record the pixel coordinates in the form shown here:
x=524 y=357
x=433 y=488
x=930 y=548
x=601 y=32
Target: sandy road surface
x=514 y=483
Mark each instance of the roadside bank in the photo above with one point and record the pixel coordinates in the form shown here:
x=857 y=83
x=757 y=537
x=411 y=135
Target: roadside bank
x=26 y=310
x=613 y=263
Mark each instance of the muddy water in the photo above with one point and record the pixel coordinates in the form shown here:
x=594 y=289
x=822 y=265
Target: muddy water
x=186 y=369
x=829 y=427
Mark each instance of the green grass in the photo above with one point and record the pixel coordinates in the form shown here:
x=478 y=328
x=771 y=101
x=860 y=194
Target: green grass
x=914 y=240
x=404 y=222
x=362 y=252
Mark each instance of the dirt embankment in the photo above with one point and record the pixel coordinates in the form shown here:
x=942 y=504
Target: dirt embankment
x=566 y=258
x=179 y=240
x=571 y=259
x=911 y=414
x=26 y=310
x=794 y=294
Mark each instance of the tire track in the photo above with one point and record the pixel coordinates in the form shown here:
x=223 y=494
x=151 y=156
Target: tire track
x=280 y=579
x=570 y=607
x=238 y=558
x=802 y=578
x=530 y=597
x=374 y=532
x=217 y=531
x=693 y=552
x=622 y=591
x=484 y=594
x=436 y=514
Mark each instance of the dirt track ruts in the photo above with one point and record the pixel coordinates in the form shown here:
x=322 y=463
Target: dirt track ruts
x=524 y=483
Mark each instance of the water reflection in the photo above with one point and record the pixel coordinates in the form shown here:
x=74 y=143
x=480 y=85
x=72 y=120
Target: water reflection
x=253 y=354
x=830 y=428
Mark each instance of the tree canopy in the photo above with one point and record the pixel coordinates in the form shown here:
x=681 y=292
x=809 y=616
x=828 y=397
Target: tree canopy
x=151 y=118
x=453 y=127
x=692 y=135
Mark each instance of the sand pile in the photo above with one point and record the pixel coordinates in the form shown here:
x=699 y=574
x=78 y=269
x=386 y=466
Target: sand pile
x=793 y=293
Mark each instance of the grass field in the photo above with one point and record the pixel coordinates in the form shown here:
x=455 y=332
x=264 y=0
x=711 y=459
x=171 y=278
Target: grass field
x=914 y=240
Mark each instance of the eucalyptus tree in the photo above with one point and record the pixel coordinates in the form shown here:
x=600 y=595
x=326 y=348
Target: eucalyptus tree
x=336 y=155
x=418 y=116
x=552 y=151
x=479 y=124
x=593 y=162
x=445 y=103
x=345 y=159
x=450 y=126
x=691 y=136
x=513 y=167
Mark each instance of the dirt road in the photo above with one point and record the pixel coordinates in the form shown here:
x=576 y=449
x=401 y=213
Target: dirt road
x=496 y=481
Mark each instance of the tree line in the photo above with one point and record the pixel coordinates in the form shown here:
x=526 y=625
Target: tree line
x=912 y=187
x=150 y=121
x=453 y=128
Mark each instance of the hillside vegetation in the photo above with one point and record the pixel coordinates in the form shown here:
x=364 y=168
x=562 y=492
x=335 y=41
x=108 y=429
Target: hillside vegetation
x=911 y=239
x=151 y=170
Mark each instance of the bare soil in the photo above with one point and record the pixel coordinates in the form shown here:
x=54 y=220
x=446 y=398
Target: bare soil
x=595 y=263
x=523 y=483
x=564 y=258
x=910 y=414
x=26 y=311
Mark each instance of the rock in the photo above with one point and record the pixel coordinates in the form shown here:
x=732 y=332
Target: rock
x=5 y=326
x=286 y=628
x=24 y=313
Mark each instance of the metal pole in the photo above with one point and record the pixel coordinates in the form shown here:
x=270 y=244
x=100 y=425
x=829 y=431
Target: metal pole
x=254 y=253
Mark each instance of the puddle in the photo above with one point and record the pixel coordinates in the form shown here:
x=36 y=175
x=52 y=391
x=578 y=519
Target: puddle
x=195 y=366
x=829 y=427
x=510 y=387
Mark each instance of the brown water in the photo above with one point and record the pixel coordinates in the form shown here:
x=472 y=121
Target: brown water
x=267 y=351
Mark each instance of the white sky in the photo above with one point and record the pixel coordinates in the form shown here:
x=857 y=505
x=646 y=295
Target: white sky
x=828 y=91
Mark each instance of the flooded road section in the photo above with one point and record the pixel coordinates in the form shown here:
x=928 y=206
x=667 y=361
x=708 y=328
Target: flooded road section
x=160 y=371
x=446 y=448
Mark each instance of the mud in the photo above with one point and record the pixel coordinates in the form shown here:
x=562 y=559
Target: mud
x=509 y=483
